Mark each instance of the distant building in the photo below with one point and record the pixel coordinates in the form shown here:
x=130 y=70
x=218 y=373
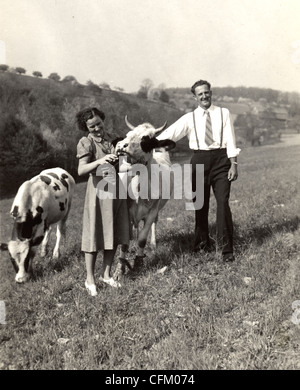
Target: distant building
x=245 y=100
x=235 y=108
x=271 y=115
x=281 y=113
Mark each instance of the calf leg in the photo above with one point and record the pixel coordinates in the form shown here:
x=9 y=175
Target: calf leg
x=25 y=266
x=153 y=236
x=60 y=232
x=44 y=244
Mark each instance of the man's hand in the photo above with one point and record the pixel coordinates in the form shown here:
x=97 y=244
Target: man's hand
x=233 y=173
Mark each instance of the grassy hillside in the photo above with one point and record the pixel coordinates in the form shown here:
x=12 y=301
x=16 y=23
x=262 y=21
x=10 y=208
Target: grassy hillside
x=197 y=314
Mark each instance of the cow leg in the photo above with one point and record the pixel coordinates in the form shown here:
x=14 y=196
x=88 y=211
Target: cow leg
x=60 y=232
x=25 y=269
x=143 y=235
x=122 y=263
x=123 y=251
x=44 y=244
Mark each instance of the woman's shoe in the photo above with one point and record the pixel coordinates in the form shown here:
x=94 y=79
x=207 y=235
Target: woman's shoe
x=91 y=289
x=111 y=282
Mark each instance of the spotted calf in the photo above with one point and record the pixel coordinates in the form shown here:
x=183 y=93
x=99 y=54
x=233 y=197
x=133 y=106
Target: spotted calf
x=40 y=202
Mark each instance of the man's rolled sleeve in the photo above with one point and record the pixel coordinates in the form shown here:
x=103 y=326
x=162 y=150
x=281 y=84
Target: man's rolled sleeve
x=232 y=150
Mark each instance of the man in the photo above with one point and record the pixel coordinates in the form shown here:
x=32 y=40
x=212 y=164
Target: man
x=212 y=138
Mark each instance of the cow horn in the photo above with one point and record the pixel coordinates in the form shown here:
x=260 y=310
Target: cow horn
x=131 y=127
x=161 y=128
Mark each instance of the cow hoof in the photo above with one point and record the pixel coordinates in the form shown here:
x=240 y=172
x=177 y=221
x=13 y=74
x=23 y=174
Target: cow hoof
x=138 y=262
x=118 y=272
x=121 y=268
x=56 y=256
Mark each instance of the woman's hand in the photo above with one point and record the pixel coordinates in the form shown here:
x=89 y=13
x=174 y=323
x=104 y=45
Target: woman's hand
x=109 y=158
x=85 y=167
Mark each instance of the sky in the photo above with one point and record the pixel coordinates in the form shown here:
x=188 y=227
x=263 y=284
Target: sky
x=251 y=43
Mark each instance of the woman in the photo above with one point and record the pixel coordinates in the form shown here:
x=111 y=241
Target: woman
x=105 y=220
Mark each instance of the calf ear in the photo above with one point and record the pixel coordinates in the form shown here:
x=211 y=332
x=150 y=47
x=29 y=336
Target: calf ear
x=167 y=144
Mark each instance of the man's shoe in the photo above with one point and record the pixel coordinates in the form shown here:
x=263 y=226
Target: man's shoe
x=228 y=257
x=203 y=248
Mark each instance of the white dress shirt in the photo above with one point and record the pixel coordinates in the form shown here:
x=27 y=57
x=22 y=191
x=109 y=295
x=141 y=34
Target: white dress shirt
x=184 y=126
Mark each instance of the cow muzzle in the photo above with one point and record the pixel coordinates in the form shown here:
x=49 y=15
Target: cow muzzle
x=20 y=257
x=22 y=278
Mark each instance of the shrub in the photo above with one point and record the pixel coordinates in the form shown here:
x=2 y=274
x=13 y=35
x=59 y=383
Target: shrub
x=54 y=76
x=23 y=153
x=4 y=67
x=20 y=70
x=37 y=74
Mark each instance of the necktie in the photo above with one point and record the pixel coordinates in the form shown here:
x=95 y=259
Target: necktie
x=208 y=130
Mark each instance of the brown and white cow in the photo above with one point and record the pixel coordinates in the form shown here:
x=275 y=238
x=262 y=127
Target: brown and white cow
x=40 y=202
x=142 y=148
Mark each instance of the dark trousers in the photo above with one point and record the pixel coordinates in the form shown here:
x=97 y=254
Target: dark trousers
x=216 y=167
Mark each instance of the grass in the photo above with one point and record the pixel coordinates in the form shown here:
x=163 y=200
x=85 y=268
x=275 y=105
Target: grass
x=198 y=314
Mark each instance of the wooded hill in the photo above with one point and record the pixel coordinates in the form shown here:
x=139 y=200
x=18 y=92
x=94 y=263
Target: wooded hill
x=37 y=127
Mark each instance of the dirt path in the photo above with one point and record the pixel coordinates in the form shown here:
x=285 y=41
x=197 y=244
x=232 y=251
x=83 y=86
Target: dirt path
x=286 y=140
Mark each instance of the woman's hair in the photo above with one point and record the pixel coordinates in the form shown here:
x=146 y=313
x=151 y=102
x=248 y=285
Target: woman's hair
x=86 y=114
x=198 y=83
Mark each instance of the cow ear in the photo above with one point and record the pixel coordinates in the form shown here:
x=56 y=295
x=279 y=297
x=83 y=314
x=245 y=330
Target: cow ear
x=115 y=141
x=4 y=246
x=148 y=143
x=167 y=144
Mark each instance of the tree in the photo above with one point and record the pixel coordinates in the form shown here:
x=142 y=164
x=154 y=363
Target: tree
x=119 y=89
x=36 y=73
x=54 y=76
x=93 y=87
x=162 y=86
x=104 y=85
x=22 y=152
x=4 y=67
x=20 y=70
x=90 y=83
x=294 y=103
x=70 y=79
x=142 y=93
x=164 y=97
x=147 y=84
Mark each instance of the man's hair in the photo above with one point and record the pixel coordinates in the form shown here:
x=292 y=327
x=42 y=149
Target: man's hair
x=198 y=83
x=86 y=114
